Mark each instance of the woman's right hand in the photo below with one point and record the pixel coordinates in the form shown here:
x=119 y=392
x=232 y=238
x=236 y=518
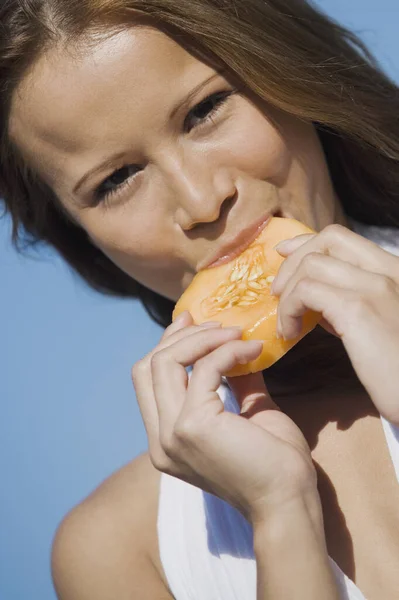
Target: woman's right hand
x=256 y=460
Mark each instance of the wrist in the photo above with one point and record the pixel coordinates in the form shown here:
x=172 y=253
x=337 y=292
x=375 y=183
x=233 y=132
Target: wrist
x=296 y=513
x=301 y=491
x=291 y=552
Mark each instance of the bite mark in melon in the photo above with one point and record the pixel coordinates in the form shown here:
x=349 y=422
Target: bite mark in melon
x=238 y=293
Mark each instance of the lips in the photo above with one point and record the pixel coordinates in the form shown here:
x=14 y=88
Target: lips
x=237 y=245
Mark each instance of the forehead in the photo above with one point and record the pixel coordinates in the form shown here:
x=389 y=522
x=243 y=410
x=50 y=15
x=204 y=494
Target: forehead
x=71 y=101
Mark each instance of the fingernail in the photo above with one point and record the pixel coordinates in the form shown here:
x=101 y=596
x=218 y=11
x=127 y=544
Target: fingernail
x=181 y=317
x=273 y=287
x=279 y=334
x=210 y=324
x=254 y=345
x=280 y=244
x=283 y=245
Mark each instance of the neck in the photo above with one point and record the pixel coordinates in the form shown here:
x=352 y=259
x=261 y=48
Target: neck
x=315 y=384
x=317 y=366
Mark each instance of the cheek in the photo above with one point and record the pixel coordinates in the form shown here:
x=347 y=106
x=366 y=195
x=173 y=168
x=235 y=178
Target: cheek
x=120 y=228
x=143 y=258
x=259 y=150
x=128 y=238
x=141 y=247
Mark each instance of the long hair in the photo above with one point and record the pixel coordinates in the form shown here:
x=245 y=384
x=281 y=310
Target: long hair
x=285 y=52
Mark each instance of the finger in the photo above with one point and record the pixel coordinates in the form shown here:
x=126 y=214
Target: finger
x=285 y=247
x=184 y=331
x=333 y=271
x=169 y=377
x=338 y=242
x=208 y=372
x=142 y=376
x=183 y=320
x=251 y=392
x=309 y=294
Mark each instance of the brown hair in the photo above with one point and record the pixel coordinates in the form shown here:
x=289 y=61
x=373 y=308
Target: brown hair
x=284 y=51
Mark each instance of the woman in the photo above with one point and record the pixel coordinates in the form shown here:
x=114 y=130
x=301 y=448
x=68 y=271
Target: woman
x=145 y=140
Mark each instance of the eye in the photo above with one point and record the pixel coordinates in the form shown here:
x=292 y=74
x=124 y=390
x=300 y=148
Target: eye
x=205 y=110
x=124 y=177
x=116 y=182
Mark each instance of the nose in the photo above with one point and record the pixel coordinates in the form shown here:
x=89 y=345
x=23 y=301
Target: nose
x=200 y=191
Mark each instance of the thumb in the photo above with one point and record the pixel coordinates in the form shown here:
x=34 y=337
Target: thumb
x=251 y=393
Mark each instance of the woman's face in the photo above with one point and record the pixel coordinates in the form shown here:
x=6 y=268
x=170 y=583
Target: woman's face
x=158 y=156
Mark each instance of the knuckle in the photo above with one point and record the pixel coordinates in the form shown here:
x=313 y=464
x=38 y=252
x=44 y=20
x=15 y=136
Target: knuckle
x=334 y=231
x=357 y=306
x=384 y=285
x=184 y=431
x=311 y=262
x=158 y=358
x=303 y=286
x=333 y=236
x=138 y=369
x=159 y=461
x=169 y=444
x=202 y=364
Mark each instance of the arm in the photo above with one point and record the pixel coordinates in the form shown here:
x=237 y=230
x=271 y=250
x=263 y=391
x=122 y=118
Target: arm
x=291 y=553
x=86 y=565
x=100 y=550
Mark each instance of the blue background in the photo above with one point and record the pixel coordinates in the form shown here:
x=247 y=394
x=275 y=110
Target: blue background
x=68 y=414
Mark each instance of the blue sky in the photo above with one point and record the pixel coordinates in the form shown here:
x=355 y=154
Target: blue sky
x=68 y=414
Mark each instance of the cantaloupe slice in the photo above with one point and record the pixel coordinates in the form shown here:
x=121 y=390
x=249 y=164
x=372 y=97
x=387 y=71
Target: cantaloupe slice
x=238 y=293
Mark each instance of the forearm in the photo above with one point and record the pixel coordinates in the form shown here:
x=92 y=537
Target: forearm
x=291 y=554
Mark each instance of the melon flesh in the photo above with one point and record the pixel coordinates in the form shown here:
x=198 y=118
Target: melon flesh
x=238 y=293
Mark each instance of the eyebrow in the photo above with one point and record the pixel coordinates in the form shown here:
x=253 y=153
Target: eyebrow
x=102 y=166
x=118 y=156
x=184 y=103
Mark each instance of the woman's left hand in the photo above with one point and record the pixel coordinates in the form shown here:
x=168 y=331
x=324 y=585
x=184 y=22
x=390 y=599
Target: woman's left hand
x=354 y=284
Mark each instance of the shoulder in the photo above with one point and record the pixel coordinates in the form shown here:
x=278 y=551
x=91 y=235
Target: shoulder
x=106 y=547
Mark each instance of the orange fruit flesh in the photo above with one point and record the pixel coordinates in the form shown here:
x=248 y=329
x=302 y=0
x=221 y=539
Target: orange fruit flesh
x=238 y=293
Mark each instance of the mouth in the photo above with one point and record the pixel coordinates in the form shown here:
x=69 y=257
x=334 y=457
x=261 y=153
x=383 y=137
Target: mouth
x=237 y=245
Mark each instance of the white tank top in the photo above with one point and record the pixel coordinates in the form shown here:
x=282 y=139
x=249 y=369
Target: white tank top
x=206 y=545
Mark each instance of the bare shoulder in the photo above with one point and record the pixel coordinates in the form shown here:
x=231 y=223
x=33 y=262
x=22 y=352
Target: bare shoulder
x=106 y=547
